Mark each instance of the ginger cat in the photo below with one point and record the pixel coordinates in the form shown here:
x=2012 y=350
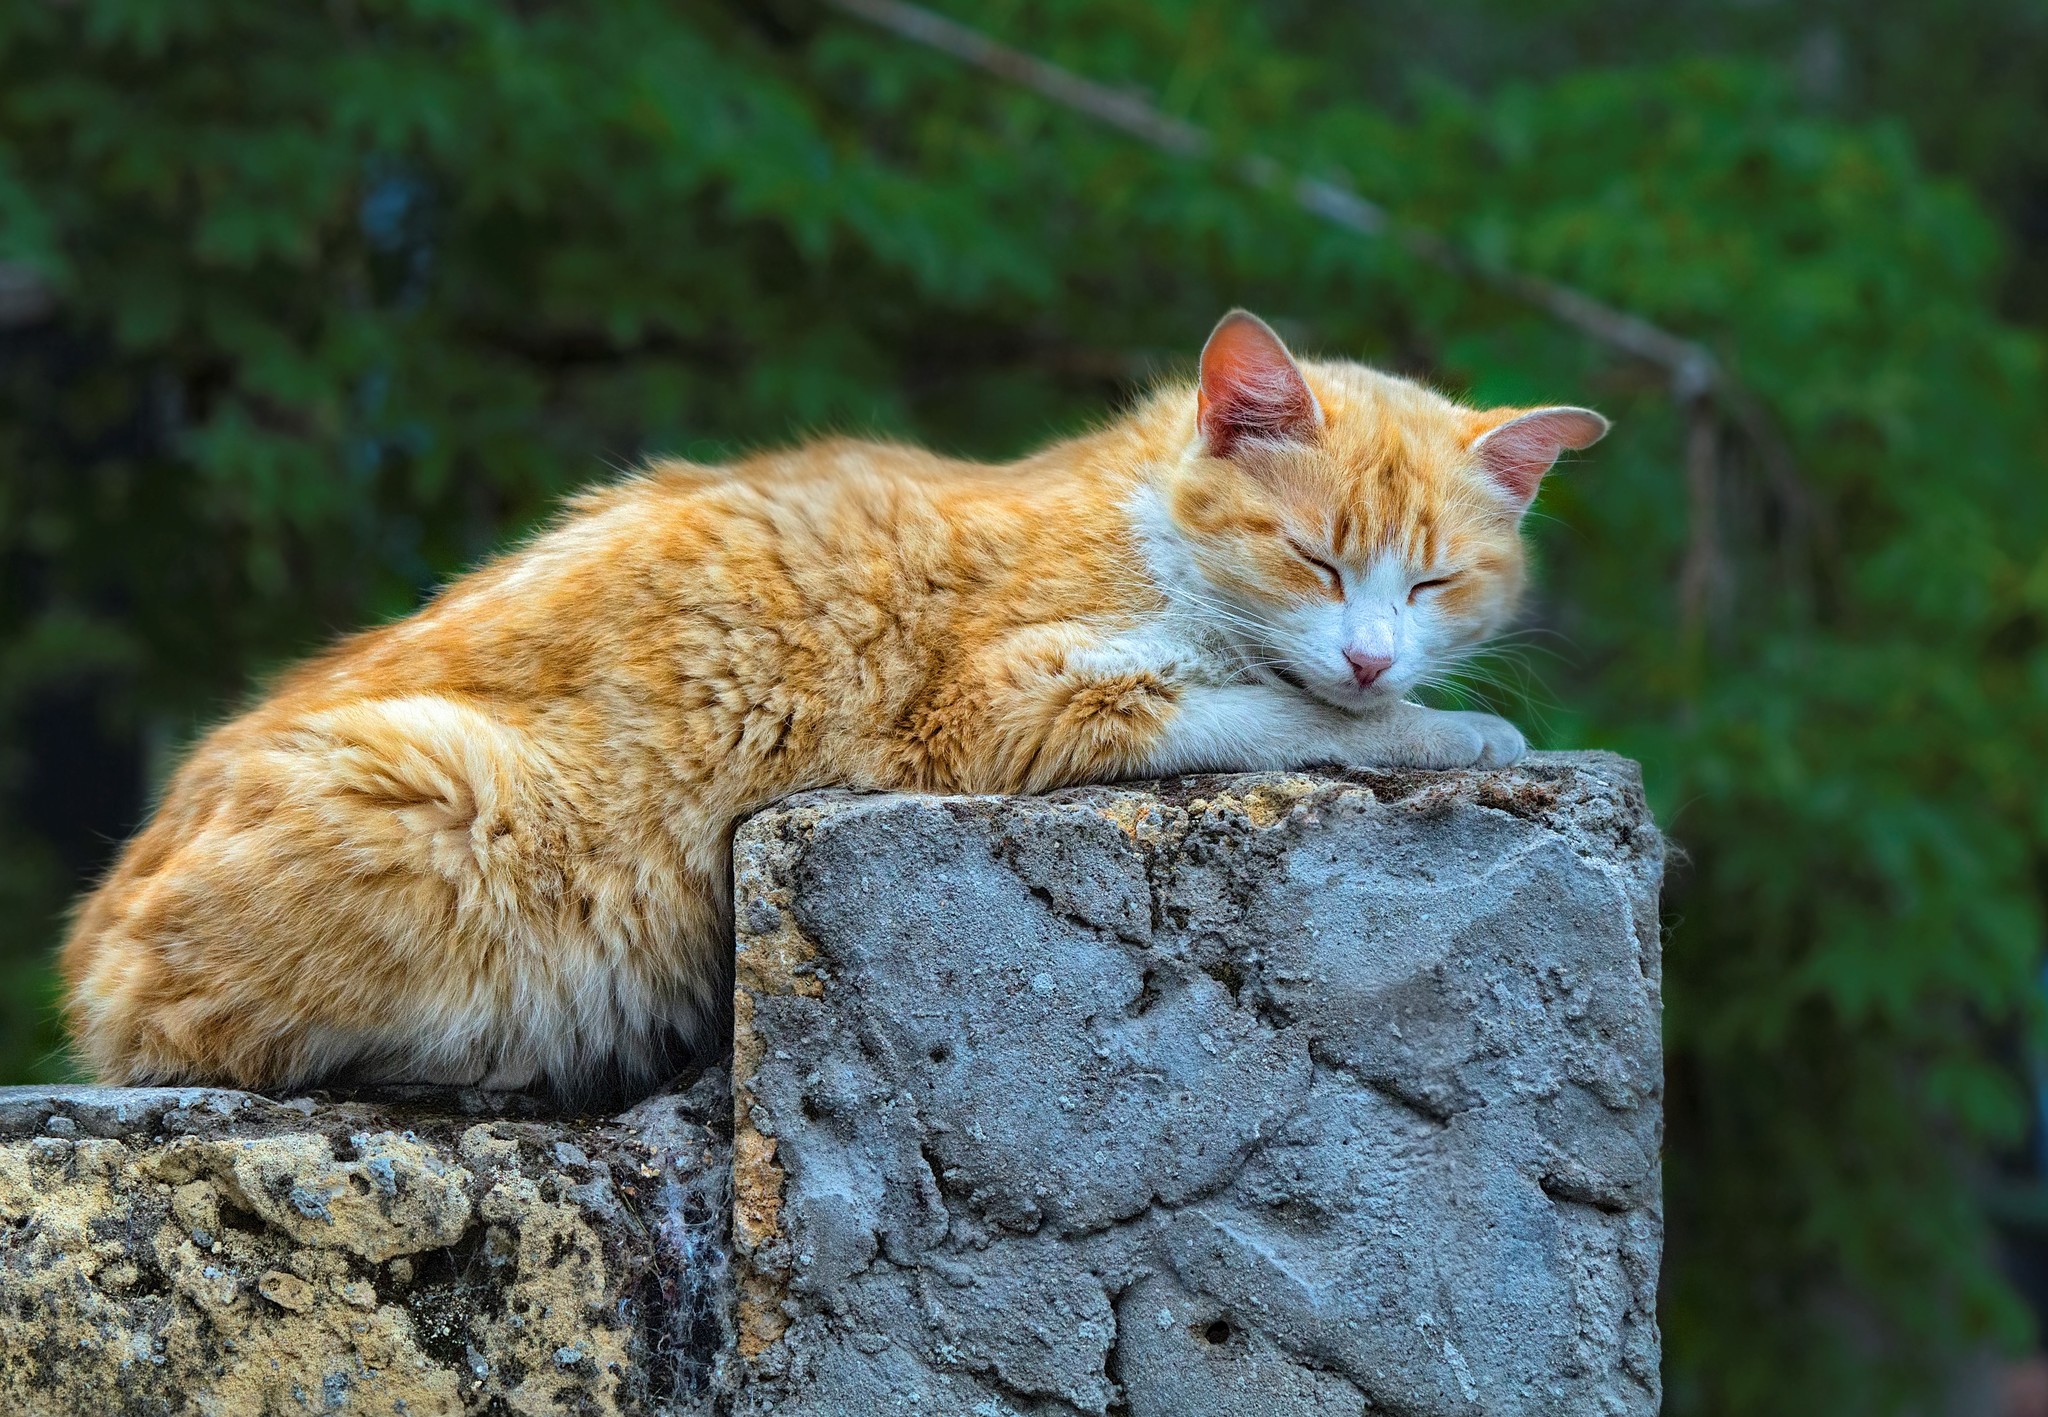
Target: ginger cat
x=489 y=844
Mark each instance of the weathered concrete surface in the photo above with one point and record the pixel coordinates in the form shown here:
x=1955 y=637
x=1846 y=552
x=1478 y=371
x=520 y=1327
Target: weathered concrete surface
x=1278 y=1094
x=207 y=1252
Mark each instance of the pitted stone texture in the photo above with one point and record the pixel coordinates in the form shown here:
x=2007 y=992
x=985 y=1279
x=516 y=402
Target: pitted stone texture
x=1273 y=1094
x=191 y=1251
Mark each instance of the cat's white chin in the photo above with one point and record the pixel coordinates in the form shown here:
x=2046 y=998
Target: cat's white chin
x=1344 y=694
x=1377 y=699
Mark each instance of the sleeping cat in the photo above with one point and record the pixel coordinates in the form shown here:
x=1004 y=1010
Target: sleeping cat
x=489 y=844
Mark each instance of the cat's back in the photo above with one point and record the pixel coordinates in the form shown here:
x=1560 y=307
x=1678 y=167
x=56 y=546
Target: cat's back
x=629 y=565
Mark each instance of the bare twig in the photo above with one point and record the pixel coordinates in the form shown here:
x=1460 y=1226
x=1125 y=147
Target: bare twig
x=1699 y=578
x=1119 y=110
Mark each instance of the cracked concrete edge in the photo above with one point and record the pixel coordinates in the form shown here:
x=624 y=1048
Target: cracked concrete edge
x=129 y=1112
x=776 y=959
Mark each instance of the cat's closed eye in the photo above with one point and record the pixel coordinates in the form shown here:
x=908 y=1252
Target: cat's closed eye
x=1330 y=572
x=1415 y=591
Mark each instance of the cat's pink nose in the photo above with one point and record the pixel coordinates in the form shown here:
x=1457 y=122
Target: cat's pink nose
x=1366 y=668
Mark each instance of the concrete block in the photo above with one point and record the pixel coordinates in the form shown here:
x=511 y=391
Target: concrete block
x=1279 y=1093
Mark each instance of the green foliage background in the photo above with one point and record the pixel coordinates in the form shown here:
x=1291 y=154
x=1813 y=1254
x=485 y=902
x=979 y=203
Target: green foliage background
x=346 y=294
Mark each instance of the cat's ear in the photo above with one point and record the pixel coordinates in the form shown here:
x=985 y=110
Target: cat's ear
x=1516 y=452
x=1251 y=388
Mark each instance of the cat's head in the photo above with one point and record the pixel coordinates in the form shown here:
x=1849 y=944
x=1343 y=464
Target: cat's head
x=1352 y=532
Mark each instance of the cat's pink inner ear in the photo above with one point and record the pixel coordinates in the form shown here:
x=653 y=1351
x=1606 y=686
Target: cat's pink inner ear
x=1251 y=387
x=1518 y=452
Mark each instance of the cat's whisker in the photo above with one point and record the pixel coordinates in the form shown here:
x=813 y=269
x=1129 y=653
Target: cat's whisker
x=1217 y=609
x=1497 y=675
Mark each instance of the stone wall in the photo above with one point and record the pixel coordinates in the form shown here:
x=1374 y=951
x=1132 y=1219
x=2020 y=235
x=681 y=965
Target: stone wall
x=1277 y=1094
x=211 y=1252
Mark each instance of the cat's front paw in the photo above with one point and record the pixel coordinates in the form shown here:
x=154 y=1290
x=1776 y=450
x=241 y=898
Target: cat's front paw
x=1502 y=742
x=1444 y=739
